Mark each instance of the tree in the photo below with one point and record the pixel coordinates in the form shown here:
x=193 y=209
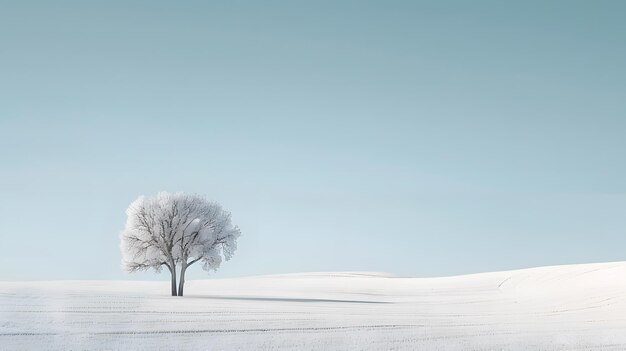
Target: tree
x=176 y=229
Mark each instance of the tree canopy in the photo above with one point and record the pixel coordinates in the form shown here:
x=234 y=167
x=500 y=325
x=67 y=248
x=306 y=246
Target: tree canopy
x=176 y=229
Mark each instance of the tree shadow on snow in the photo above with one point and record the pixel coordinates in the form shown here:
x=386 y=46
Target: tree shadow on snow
x=279 y=299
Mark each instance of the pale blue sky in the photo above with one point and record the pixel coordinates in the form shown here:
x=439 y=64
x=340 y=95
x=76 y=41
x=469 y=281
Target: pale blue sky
x=418 y=138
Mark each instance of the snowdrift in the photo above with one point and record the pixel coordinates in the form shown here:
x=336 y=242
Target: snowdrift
x=549 y=308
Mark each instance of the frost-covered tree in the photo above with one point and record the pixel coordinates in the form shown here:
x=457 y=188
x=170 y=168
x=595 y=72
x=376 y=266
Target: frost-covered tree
x=176 y=230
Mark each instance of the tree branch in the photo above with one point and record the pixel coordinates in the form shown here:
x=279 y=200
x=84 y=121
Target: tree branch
x=194 y=261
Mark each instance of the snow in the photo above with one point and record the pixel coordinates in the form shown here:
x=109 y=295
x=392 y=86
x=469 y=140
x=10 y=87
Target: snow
x=549 y=308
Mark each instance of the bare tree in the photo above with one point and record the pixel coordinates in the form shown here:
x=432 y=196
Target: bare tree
x=173 y=229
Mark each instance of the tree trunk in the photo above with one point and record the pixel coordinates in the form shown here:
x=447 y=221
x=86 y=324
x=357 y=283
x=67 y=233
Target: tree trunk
x=173 y=274
x=181 y=282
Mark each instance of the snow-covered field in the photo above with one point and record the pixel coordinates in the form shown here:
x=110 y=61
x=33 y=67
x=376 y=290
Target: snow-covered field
x=550 y=308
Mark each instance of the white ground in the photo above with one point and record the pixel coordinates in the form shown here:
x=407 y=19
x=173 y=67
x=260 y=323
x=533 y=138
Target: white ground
x=550 y=308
